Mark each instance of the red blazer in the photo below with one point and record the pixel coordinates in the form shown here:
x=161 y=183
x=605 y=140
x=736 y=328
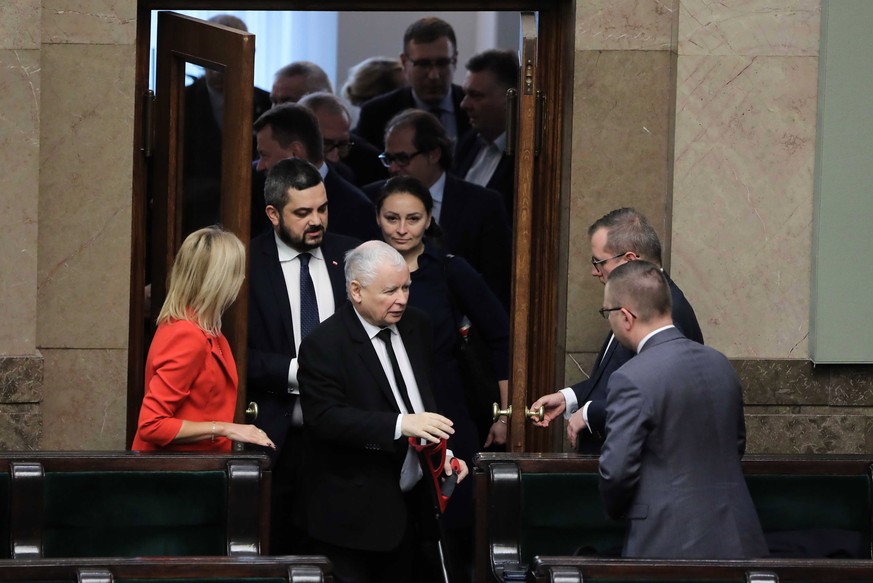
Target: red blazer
x=189 y=376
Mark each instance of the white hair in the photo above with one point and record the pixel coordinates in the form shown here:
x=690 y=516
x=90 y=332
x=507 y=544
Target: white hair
x=363 y=261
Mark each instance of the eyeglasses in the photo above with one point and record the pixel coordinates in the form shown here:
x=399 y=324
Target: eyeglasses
x=428 y=64
x=402 y=159
x=343 y=148
x=604 y=312
x=598 y=262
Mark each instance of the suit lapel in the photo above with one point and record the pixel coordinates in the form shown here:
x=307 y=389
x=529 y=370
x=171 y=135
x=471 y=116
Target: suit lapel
x=603 y=358
x=335 y=265
x=451 y=203
x=367 y=353
x=276 y=279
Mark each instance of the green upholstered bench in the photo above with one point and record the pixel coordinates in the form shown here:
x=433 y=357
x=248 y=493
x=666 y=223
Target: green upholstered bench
x=589 y=569
x=5 y=504
x=549 y=504
x=125 y=504
x=297 y=569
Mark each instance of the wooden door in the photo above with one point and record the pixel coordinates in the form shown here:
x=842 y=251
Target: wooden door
x=183 y=40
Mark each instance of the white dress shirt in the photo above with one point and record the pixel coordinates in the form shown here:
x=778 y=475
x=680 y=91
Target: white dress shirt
x=486 y=161
x=411 y=471
x=288 y=258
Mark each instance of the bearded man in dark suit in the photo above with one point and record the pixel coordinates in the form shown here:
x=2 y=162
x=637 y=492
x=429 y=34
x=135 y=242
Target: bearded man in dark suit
x=365 y=380
x=296 y=250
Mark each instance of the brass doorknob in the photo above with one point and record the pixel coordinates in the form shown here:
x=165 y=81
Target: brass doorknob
x=538 y=412
x=252 y=411
x=496 y=412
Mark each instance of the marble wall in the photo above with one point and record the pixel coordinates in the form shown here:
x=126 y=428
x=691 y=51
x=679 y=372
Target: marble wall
x=21 y=364
x=745 y=153
x=722 y=162
x=66 y=80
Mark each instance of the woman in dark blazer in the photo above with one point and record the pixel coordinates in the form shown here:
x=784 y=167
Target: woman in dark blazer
x=191 y=378
x=448 y=289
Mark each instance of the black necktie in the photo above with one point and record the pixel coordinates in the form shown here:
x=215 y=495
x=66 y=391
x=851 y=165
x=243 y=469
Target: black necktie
x=308 y=302
x=385 y=336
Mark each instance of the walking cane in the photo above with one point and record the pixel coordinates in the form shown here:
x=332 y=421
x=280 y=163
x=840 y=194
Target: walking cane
x=433 y=461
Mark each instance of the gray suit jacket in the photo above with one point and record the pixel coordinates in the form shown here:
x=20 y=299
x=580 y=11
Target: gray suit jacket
x=670 y=464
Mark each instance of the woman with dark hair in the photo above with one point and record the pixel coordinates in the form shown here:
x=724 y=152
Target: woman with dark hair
x=450 y=291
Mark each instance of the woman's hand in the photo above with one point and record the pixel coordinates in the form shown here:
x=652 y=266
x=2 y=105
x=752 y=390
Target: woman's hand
x=497 y=433
x=244 y=434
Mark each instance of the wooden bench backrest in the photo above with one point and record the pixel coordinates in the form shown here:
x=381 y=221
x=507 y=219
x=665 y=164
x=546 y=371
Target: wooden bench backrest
x=549 y=504
x=279 y=569
x=588 y=570
x=124 y=504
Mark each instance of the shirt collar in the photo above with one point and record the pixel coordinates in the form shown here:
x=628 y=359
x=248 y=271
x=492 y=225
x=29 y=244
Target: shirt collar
x=650 y=334
x=444 y=105
x=499 y=142
x=437 y=188
x=370 y=329
x=323 y=170
x=288 y=253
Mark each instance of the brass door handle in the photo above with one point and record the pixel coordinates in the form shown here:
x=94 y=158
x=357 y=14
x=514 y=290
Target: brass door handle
x=497 y=412
x=252 y=412
x=535 y=412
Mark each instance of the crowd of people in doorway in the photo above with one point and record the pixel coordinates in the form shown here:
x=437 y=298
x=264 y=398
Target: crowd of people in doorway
x=377 y=237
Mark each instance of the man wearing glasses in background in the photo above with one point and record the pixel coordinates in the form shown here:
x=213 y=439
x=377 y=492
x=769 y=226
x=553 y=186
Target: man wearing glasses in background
x=352 y=156
x=619 y=236
x=429 y=58
x=473 y=219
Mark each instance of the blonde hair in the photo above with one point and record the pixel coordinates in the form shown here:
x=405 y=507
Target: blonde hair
x=206 y=277
x=372 y=77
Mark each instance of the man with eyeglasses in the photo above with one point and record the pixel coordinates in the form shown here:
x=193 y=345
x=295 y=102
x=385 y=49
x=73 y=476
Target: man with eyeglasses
x=429 y=58
x=616 y=238
x=291 y=130
x=473 y=219
x=675 y=433
x=352 y=156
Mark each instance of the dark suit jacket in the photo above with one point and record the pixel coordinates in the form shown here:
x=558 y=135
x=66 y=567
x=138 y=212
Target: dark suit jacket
x=503 y=179
x=670 y=465
x=362 y=166
x=352 y=479
x=594 y=389
x=377 y=112
x=475 y=226
x=202 y=169
x=350 y=211
x=271 y=332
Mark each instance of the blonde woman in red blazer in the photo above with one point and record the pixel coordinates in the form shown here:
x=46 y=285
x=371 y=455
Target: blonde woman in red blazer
x=191 y=378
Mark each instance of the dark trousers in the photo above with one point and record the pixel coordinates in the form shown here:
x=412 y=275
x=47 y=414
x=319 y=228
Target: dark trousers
x=287 y=535
x=414 y=560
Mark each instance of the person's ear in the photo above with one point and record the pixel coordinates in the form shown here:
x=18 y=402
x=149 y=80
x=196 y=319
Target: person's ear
x=273 y=215
x=627 y=321
x=355 y=291
x=434 y=156
x=631 y=256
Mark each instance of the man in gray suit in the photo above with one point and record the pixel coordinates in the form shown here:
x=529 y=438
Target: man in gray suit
x=675 y=433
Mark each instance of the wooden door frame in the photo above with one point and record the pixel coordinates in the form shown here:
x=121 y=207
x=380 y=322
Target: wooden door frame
x=545 y=277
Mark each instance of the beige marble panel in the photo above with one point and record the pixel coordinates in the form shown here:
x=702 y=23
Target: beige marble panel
x=84 y=399
x=626 y=24
x=19 y=24
x=807 y=434
x=19 y=168
x=749 y=27
x=743 y=199
x=85 y=192
x=621 y=157
x=89 y=21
